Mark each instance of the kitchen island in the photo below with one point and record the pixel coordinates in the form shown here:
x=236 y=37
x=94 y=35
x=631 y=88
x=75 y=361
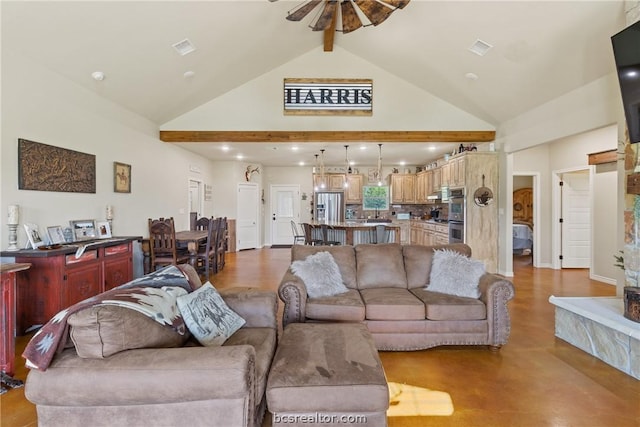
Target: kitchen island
x=355 y=232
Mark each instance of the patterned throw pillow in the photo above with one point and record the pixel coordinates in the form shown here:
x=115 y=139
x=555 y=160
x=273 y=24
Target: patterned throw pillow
x=455 y=274
x=320 y=275
x=208 y=317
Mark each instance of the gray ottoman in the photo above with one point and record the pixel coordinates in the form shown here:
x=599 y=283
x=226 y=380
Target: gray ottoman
x=327 y=374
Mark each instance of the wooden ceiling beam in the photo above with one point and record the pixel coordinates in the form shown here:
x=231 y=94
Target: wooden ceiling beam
x=330 y=32
x=327 y=136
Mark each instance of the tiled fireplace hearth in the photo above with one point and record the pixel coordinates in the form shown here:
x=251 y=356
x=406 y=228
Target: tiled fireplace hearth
x=597 y=326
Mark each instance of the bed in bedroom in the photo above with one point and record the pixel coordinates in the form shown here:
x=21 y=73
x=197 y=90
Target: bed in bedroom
x=523 y=221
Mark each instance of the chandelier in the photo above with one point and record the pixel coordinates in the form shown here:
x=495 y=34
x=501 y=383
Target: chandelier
x=376 y=12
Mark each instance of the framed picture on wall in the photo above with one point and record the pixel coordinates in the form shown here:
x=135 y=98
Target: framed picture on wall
x=121 y=177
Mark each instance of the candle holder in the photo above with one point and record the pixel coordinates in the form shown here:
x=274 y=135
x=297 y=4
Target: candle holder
x=13 y=237
x=12 y=222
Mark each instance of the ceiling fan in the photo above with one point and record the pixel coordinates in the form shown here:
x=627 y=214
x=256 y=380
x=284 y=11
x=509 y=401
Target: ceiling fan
x=376 y=11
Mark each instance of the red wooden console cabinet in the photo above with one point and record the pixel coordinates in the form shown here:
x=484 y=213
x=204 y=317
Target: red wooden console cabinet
x=8 y=274
x=57 y=279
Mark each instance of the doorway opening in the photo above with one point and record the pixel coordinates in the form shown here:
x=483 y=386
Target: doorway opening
x=526 y=218
x=196 y=197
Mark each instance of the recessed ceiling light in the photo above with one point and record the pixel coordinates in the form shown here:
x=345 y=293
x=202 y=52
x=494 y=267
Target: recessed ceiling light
x=471 y=76
x=294 y=148
x=301 y=163
x=183 y=47
x=402 y=163
x=363 y=147
x=432 y=148
x=98 y=76
x=480 y=47
x=225 y=148
x=189 y=74
x=239 y=157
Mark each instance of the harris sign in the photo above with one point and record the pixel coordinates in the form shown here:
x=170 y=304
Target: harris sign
x=328 y=97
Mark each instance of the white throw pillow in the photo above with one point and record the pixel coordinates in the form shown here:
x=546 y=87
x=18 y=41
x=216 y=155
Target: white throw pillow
x=320 y=275
x=208 y=317
x=455 y=274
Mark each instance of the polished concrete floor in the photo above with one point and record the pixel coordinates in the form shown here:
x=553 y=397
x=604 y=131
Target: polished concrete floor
x=535 y=380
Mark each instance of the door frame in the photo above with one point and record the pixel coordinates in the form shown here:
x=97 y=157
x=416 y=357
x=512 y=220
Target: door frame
x=200 y=195
x=556 y=208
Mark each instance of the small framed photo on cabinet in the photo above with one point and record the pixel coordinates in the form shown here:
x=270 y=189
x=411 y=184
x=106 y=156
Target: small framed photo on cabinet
x=103 y=229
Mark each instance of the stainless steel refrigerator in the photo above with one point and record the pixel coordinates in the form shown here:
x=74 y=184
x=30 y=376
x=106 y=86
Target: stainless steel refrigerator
x=329 y=207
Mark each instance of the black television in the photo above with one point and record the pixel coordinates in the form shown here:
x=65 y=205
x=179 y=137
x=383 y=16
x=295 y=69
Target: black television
x=626 y=51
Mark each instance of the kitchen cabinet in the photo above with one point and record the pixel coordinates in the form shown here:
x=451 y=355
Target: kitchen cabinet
x=429 y=233
x=403 y=188
x=436 y=180
x=421 y=187
x=445 y=175
x=330 y=181
x=57 y=279
x=354 y=189
x=457 y=171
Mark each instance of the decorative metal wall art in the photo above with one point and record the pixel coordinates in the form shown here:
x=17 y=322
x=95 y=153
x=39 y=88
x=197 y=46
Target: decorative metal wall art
x=47 y=168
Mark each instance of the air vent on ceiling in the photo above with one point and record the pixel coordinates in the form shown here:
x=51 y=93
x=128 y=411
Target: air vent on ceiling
x=183 y=47
x=480 y=47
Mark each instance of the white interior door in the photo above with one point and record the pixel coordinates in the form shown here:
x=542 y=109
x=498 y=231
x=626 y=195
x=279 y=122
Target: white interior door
x=248 y=212
x=576 y=220
x=195 y=196
x=285 y=207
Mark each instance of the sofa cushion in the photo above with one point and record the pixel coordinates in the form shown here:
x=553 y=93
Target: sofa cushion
x=380 y=266
x=344 y=256
x=418 y=260
x=320 y=274
x=208 y=317
x=455 y=274
x=263 y=340
x=392 y=304
x=441 y=306
x=103 y=330
x=347 y=307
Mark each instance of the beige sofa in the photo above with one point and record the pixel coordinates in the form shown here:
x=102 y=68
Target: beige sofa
x=386 y=291
x=189 y=385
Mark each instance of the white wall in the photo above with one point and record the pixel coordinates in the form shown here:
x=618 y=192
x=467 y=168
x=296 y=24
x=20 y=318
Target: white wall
x=568 y=153
x=42 y=106
x=258 y=104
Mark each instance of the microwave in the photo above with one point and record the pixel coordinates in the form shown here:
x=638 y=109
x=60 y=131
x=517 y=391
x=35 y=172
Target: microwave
x=456 y=205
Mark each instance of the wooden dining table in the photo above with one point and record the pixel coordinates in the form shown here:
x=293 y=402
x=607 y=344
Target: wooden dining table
x=191 y=239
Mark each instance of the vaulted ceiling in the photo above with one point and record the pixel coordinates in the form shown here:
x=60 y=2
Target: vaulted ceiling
x=541 y=49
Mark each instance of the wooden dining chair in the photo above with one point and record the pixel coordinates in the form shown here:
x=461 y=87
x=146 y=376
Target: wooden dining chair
x=162 y=244
x=221 y=244
x=203 y=223
x=206 y=257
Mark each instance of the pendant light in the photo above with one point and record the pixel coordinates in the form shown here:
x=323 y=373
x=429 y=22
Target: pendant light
x=322 y=183
x=379 y=165
x=347 y=167
x=315 y=172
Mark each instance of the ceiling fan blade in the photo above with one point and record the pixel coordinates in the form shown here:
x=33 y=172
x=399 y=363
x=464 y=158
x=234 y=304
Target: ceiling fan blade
x=303 y=11
x=374 y=11
x=350 y=20
x=399 y=4
x=325 y=19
